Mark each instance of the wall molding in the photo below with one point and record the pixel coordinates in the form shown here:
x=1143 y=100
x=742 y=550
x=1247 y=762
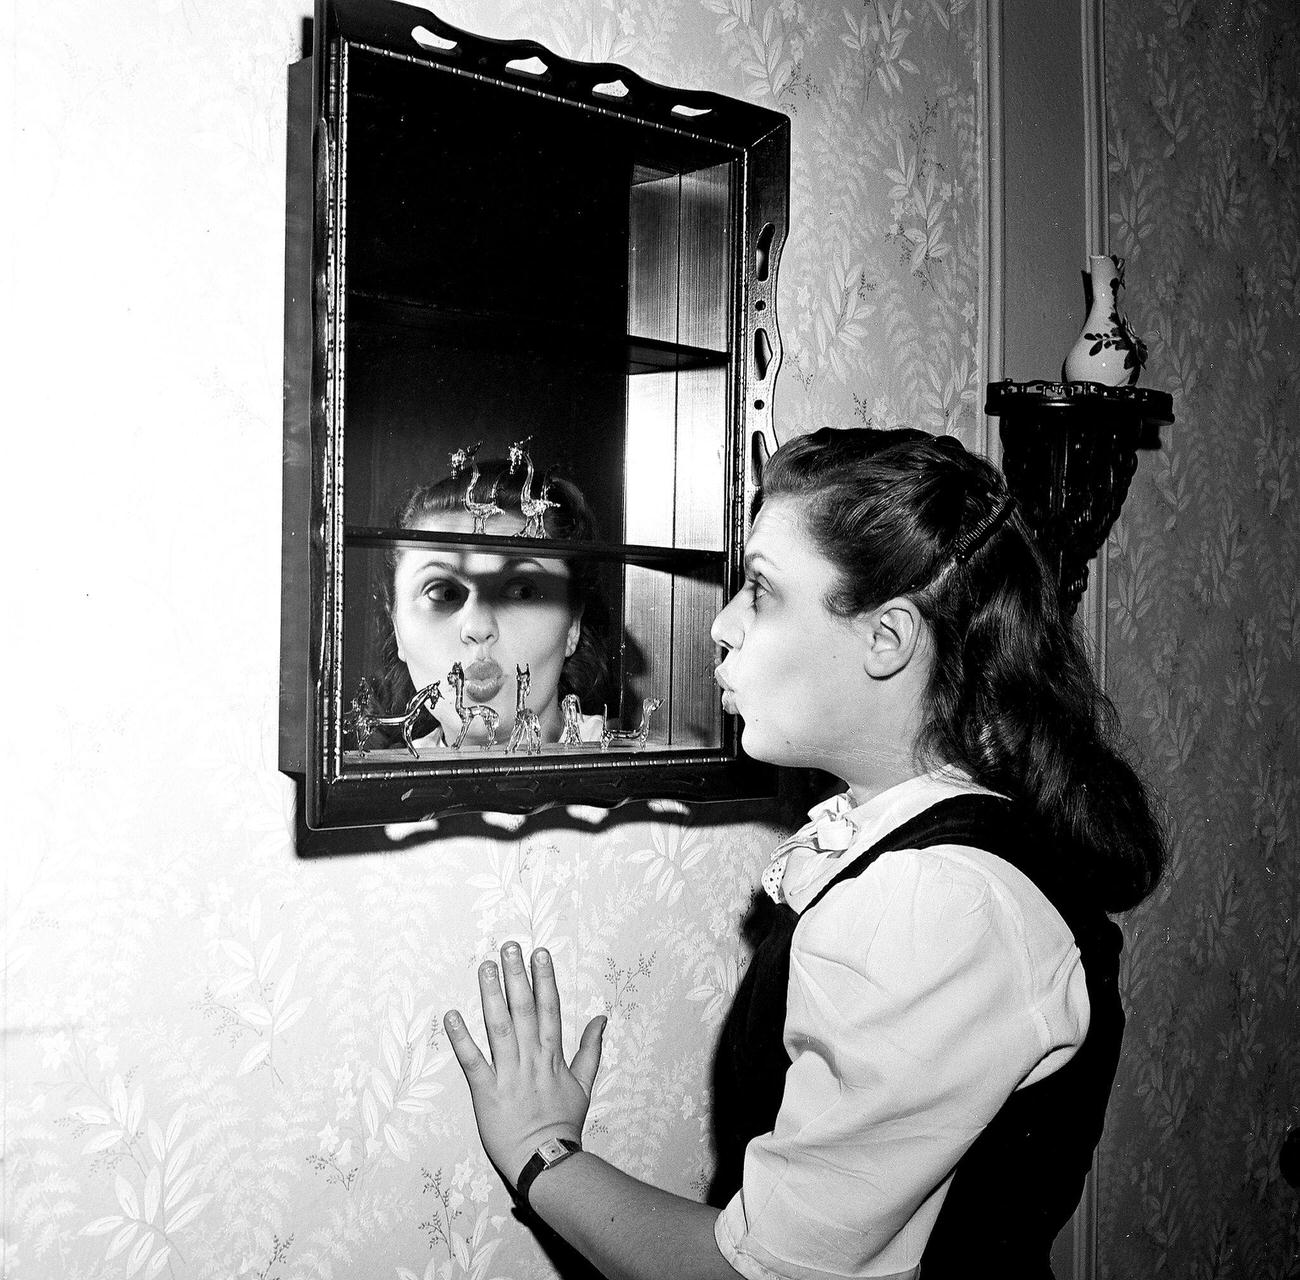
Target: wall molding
x=1092 y=17
x=1092 y=21
x=992 y=321
x=1043 y=156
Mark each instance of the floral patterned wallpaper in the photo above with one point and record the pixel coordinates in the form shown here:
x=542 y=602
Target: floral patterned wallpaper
x=1204 y=604
x=222 y=1058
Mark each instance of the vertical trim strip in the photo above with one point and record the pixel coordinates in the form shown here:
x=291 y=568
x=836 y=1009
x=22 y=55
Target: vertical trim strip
x=1092 y=21
x=991 y=306
x=1092 y=24
x=1095 y=190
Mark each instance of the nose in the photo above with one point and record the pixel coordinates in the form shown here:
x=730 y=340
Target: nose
x=726 y=629
x=478 y=620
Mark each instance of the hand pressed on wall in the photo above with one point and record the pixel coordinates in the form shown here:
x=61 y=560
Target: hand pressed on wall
x=528 y=1092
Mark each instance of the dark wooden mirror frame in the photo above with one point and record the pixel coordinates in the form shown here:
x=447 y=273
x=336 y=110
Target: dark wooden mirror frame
x=320 y=524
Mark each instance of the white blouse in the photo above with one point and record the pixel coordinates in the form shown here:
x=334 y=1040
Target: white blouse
x=922 y=993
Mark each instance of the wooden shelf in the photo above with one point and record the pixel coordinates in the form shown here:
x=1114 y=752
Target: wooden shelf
x=452 y=329
x=679 y=558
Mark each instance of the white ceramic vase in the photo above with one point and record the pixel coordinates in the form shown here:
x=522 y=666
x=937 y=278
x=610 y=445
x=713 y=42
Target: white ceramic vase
x=1107 y=351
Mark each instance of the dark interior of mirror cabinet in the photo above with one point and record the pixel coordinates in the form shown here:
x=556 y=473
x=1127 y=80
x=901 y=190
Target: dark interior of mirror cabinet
x=512 y=261
x=524 y=268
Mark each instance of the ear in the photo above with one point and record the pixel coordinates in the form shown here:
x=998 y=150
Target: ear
x=397 y=635
x=574 y=634
x=893 y=636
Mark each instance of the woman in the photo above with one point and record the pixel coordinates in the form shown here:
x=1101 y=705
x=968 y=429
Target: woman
x=915 y=1070
x=491 y=614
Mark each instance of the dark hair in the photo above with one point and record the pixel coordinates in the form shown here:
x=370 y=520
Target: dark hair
x=586 y=670
x=1011 y=698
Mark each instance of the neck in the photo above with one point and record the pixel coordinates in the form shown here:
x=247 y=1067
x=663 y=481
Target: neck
x=869 y=785
x=888 y=749
x=551 y=722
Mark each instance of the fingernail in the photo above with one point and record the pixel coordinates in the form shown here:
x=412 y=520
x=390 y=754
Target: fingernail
x=488 y=969
x=453 y=1019
x=514 y=956
x=542 y=956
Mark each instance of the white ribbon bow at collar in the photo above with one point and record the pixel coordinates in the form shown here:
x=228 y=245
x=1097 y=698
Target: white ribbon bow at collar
x=829 y=831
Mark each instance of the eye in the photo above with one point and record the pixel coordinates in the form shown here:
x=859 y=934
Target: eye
x=521 y=590
x=443 y=591
x=757 y=589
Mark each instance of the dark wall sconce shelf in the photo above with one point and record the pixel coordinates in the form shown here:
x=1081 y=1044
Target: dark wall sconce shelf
x=1069 y=451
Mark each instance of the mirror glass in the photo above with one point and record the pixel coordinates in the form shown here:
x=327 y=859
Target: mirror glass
x=537 y=308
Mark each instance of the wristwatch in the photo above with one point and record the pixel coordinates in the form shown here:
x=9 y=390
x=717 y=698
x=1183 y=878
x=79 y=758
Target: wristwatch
x=547 y=1156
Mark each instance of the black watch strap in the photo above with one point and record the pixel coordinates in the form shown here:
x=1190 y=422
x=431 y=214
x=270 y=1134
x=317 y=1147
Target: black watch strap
x=549 y=1154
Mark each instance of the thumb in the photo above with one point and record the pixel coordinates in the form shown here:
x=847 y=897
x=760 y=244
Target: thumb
x=586 y=1062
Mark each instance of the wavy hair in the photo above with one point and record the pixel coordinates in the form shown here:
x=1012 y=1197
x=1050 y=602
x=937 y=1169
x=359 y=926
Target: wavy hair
x=1011 y=698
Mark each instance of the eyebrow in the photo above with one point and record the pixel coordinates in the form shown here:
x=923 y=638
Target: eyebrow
x=508 y=564
x=529 y=562
x=753 y=558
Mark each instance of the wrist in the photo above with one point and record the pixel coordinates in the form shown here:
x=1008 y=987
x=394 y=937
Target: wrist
x=510 y=1163
x=549 y=1152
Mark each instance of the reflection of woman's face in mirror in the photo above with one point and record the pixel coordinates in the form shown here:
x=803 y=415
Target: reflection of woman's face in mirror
x=491 y=613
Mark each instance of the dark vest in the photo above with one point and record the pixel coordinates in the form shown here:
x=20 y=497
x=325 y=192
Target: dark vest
x=1017 y=1185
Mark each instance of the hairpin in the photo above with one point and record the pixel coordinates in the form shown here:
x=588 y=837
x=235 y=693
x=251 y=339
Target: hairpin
x=969 y=542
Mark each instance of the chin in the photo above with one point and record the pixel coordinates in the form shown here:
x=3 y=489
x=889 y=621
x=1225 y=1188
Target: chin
x=505 y=722
x=758 y=747
x=776 y=748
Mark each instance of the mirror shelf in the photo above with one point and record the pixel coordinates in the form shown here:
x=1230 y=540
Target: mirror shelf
x=628 y=353
x=683 y=558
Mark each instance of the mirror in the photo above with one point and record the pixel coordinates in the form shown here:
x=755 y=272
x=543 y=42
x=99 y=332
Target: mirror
x=539 y=297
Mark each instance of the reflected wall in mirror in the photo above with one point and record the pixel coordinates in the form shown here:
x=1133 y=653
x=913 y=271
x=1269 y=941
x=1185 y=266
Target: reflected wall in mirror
x=530 y=341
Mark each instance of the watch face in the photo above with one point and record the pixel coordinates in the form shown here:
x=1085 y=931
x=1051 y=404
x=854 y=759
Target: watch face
x=552 y=1149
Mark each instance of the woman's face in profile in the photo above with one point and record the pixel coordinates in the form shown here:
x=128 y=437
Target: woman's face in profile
x=490 y=612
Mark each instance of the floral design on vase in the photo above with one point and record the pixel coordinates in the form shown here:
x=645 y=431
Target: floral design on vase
x=1107 y=351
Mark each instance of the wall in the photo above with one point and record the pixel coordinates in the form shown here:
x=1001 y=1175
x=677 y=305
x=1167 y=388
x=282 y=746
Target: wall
x=1204 y=605
x=220 y=1057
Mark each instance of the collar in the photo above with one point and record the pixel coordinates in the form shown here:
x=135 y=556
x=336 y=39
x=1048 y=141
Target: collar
x=803 y=863
x=830 y=830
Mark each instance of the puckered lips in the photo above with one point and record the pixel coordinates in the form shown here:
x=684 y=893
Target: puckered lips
x=484 y=679
x=728 y=693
